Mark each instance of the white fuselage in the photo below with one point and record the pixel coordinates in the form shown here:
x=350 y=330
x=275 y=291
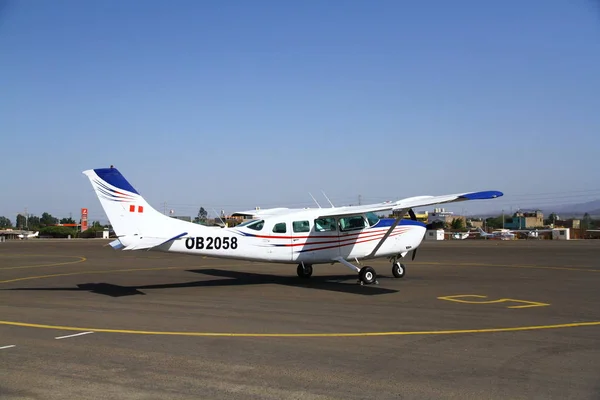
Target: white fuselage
x=302 y=237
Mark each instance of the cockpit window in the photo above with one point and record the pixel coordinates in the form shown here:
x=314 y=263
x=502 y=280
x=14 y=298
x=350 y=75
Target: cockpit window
x=351 y=223
x=256 y=225
x=372 y=218
x=246 y=223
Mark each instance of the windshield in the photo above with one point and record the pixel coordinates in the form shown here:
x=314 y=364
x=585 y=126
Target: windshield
x=372 y=218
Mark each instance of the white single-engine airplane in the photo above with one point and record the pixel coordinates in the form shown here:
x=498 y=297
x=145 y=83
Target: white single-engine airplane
x=502 y=234
x=28 y=235
x=532 y=233
x=293 y=236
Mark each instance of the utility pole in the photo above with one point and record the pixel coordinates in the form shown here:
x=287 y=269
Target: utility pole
x=165 y=208
x=359 y=199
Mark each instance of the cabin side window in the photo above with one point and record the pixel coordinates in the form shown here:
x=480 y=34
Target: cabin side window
x=280 y=228
x=301 y=226
x=325 y=225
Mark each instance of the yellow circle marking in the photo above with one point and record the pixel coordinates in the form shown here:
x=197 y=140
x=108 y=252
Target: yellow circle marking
x=79 y=260
x=276 y=335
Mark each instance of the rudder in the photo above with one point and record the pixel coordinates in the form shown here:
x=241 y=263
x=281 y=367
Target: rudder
x=127 y=211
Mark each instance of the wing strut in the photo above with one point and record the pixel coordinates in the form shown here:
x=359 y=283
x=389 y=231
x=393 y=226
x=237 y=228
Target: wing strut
x=387 y=234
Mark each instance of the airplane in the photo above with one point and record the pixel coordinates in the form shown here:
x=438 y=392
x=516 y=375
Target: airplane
x=532 y=233
x=502 y=234
x=304 y=237
x=460 y=235
x=506 y=234
x=28 y=235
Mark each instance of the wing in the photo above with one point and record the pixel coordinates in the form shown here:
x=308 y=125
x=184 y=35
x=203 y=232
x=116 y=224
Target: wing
x=261 y=213
x=408 y=203
x=531 y=230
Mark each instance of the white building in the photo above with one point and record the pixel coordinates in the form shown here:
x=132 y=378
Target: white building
x=434 y=234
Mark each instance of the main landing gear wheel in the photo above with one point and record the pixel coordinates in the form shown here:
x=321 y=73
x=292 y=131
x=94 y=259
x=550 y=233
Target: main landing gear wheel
x=398 y=270
x=304 y=271
x=367 y=275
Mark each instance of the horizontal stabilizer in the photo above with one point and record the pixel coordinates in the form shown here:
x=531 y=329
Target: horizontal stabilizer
x=150 y=243
x=173 y=238
x=116 y=244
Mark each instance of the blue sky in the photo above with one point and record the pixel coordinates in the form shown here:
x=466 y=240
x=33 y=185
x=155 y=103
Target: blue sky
x=236 y=104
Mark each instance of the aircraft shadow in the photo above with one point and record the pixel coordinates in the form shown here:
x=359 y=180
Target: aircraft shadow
x=333 y=283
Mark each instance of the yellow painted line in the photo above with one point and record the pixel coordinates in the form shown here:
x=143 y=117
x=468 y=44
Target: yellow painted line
x=263 y=335
x=90 y=272
x=79 y=260
x=457 y=299
x=300 y=335
x=590 y=269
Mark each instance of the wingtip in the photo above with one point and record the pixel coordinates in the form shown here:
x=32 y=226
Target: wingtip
x=487 y=194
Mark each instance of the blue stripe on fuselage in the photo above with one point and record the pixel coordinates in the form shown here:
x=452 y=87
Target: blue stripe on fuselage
x=386 y=222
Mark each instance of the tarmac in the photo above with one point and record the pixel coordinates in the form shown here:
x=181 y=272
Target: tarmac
x=472 y=319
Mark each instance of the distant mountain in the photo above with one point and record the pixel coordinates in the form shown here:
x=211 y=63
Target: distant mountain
x=563 y=210
x=591 y=207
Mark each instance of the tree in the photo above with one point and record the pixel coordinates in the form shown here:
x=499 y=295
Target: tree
x=58 y=231
x=33 y=223
x=457 y=223
x=5 y=222
x=586 y=222
x=48 y=220
x=21 y=221
x=551 y=219
x=202 y=215
x=494 y=222
x=67 y=221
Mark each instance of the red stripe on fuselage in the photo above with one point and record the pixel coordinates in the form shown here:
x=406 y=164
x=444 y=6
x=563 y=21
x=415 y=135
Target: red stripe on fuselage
x=321 y=237
x=373 y=235
x=350 y=244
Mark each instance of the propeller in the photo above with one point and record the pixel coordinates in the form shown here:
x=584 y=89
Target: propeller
x=413 y=216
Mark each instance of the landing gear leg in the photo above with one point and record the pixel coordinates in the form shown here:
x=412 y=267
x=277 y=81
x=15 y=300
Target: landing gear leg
x=304 y=270
x=366 y=275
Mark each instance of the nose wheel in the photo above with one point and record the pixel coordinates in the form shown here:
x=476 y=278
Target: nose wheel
x=398 y=270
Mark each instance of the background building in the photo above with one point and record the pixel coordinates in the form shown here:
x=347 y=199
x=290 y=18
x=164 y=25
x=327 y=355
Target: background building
x=525 y=220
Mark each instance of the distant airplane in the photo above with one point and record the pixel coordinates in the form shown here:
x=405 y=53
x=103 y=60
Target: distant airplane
x=28 y=235
x=502 y=234
x=507 y=234
x=294 y=236
x=532 y=233
x=460 y=235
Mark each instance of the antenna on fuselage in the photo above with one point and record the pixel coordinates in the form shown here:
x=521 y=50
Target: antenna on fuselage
x=314 y=199
x=328 y=199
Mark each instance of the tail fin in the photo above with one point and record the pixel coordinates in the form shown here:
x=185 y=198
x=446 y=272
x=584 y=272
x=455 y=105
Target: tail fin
x=128 y=212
